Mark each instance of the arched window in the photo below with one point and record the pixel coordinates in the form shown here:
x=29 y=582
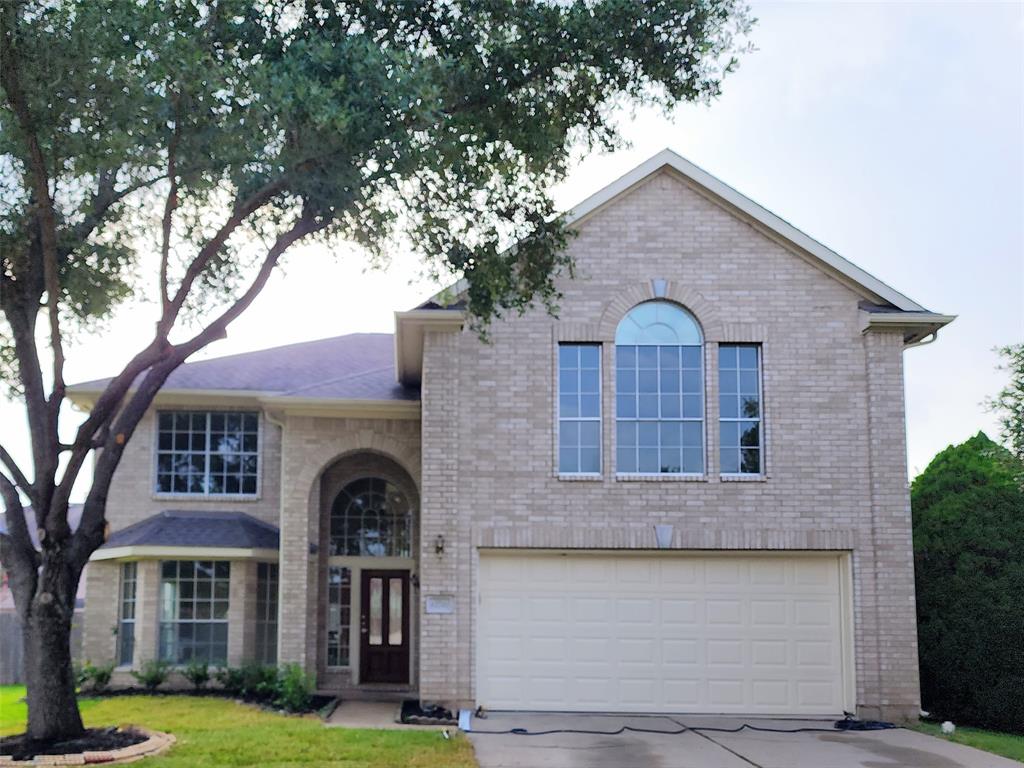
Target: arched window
x=659 y=395
x=371 y=517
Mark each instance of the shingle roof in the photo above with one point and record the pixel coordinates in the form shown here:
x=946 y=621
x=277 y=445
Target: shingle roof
x=359 y=366
x=172 y=528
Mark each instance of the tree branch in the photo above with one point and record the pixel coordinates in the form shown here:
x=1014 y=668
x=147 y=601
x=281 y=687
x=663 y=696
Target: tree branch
x=18 y=476
x=169 y=207
x=40 y=184
x=242 y=211
x=92 y=529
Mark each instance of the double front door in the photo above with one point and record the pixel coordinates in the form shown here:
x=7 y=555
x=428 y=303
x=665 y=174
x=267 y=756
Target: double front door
x=384 y=626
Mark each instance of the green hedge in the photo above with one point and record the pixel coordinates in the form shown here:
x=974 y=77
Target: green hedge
x=968 y=509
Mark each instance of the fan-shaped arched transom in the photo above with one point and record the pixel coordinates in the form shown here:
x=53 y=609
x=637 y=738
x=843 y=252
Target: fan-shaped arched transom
x=371 y=517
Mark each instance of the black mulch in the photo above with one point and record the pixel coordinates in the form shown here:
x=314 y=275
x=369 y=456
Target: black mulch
x=93 y=740
x=414 y=714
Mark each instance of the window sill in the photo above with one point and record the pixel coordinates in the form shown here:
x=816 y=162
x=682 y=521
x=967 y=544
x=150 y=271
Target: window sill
x=631 y=477
x=211 y=497
x=743 y=478
x=580 y=477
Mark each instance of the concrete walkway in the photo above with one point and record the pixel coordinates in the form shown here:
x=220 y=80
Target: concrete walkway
x=700 y=749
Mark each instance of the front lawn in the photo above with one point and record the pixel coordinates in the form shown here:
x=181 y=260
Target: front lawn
x=1005 y=744
x=219 y=732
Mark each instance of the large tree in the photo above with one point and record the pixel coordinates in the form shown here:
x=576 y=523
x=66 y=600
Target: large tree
x=182 y=147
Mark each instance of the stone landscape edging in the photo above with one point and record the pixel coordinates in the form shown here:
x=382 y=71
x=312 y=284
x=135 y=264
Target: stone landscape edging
x=156 y=743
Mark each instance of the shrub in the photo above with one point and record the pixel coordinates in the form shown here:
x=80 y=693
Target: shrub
x=294 y=689
x=152 y=674
x=197 y=673
x=90 y=677
x=968 y=510
x=250 y=681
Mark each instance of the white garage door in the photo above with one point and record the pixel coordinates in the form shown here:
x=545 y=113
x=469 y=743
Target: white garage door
x=675 y=633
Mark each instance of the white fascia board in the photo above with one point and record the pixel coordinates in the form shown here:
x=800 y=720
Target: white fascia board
x=409 y=330
x=148 y=552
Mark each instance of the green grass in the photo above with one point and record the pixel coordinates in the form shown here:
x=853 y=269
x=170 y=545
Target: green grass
x=1005 y=744
x=219 y=732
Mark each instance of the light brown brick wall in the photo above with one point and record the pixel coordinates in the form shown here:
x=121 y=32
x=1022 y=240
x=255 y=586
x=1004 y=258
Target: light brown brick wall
x=833 y=404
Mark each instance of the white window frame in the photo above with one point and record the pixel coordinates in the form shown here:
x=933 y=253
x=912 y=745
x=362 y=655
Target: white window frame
x=178 y=622
x=122 y=602
x=599 y=419
x=702 y=419
x=267 y=620
x=342 y=624
x=760 y=412
x=172 y=494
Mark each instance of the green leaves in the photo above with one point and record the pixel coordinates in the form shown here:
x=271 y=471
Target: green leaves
x=968 y=511
x=444 y=123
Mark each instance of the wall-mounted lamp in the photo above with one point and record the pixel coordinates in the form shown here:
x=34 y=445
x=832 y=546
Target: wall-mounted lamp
x=439 y=544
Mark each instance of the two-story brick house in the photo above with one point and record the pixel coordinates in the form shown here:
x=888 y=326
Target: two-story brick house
x=686 y=493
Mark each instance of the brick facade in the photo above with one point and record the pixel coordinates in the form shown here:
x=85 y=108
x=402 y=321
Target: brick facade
x=481 y=460
x=836 y=475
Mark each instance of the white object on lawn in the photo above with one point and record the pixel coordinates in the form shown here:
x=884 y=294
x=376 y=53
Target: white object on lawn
x=948 y=727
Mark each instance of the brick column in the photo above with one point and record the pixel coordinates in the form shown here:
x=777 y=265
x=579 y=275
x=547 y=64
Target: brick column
x=147 y=611
x=444 y=638
x=297 y=565
x=898 y=690
x=102 y=591
x=241 y=612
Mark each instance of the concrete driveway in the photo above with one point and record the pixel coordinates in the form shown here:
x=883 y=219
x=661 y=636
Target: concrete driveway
x=705 y=749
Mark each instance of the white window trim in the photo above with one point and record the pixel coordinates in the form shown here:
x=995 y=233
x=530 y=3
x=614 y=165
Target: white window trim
x=189 y=496
x=681 y=476
x=121 y=621
x=578 y=419
x=744 y=476
x=226 y=621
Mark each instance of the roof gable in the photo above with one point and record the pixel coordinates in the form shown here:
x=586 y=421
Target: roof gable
x=821 y=256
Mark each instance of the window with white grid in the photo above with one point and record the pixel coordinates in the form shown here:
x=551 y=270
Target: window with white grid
x=579 y=408
x=207 y=453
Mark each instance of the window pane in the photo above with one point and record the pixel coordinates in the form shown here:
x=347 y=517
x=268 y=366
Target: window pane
x=750 y=407
x=590 y=406
x=727 y=407
x=590 y=433
x=730 y=460
x=395 y=612
x=751 y=462
x=726 y=356
x=568 y=406
x=376 y=611
x=568 y=459
x=748 y=357
x=671 y=461
x=589 y=381
x=625 y=357
x=590 y=459
x=749 y=434
x=649 y=460
x=730 y=431
x=693 y=460
x=728 y=382
x=625 y=459
x=625 y=406
x=568 y=356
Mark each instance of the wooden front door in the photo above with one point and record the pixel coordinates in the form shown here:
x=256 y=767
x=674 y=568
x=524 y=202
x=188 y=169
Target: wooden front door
x=384 y=627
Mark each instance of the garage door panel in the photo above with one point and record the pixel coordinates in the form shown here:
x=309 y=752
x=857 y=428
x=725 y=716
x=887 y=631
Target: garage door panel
x=681 y=633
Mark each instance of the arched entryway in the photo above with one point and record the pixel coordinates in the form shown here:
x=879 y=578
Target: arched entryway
x=368 y=548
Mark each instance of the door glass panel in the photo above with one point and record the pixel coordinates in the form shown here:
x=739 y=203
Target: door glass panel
x=376 y=611
x=395 y=612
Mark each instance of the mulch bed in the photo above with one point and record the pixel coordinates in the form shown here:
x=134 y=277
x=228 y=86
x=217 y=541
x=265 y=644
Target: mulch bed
x=317 y=702
x=414 y=714
x=93 y=740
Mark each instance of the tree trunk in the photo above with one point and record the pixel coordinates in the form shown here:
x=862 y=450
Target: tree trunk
x=49 y=677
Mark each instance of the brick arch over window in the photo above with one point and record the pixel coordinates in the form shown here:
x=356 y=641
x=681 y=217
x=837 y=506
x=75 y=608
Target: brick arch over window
x=692 y=301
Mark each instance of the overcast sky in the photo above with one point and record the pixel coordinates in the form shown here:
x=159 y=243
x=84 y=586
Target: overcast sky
x=893 y=133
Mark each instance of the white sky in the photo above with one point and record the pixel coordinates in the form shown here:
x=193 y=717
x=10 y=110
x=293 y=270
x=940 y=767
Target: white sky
x=893 y=133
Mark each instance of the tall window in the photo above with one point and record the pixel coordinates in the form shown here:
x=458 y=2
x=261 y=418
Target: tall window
x=739 y=387
x=207 y=452
x=339 y=615
x=266 y=613
x=371 y=517
x=659 y=391
x=126 y=615
x=579 y=408
x=194 y=611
